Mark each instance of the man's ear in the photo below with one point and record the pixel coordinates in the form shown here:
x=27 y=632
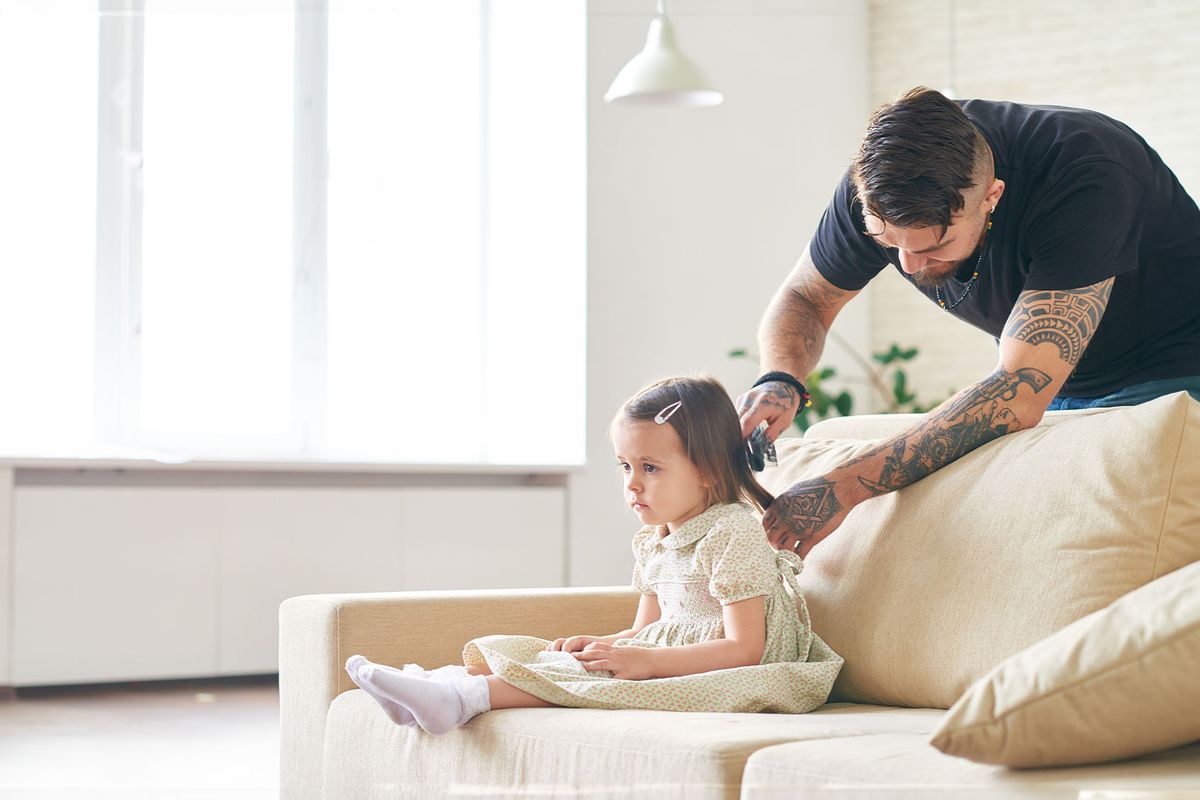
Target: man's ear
x=994 y=193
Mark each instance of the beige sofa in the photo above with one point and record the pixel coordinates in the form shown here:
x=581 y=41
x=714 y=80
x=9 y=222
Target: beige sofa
x=1039 y=585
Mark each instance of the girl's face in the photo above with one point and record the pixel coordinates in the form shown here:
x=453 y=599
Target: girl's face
x=662 y=486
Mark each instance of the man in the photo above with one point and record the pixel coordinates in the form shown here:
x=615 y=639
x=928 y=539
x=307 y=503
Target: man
x=1059 y=231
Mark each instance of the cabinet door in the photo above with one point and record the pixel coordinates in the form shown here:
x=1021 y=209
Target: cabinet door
x=278 y=543
x=132 y=583
x=111 y=584
x=483 y=538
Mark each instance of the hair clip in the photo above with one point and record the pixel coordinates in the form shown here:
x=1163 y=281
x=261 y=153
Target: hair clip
x=666 y=413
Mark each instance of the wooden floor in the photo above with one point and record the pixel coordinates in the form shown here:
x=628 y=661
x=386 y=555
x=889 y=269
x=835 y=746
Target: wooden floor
x=177 y=740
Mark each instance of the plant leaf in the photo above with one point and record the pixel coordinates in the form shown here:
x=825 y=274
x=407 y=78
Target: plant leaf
x=844 y=403
x=900 y=388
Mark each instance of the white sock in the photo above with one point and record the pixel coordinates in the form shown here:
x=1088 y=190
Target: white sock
x=437 y=705
x=396 y=712
x=475 y=694
x=448 y=671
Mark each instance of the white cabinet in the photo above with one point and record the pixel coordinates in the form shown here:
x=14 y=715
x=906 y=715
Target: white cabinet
x=277 y=543
x=115 y=583
x=111 y=584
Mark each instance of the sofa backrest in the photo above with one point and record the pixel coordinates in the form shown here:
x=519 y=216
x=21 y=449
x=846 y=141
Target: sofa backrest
x=922 y=591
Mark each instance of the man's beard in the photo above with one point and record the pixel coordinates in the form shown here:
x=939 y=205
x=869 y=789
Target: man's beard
x=938 y=276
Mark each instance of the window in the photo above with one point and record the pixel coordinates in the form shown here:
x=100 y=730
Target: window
x=47 y=227
x=343 y=230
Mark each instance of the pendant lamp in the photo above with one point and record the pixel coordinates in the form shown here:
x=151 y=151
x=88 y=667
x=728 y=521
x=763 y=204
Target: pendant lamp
x=661 y=74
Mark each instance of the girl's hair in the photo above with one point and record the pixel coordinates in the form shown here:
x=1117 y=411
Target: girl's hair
x=710 y=431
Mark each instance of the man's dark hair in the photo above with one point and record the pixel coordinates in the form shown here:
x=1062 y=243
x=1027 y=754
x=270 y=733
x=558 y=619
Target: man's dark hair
x=917 y=157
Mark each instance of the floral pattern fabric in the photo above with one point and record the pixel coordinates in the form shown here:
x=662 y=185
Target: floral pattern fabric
x=719 y=557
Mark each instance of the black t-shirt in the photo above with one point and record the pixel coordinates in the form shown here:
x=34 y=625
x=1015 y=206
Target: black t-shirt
x=1085 y=199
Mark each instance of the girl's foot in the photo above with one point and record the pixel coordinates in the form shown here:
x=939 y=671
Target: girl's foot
x=396 y=712
x=437 y=706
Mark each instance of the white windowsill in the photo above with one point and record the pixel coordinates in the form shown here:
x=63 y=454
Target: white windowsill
x=171 y=463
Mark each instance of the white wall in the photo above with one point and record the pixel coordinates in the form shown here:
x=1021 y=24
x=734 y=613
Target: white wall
x=696 y=215
x=1138 y=62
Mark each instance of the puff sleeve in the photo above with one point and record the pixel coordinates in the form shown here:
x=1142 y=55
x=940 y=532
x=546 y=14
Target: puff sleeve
x=641 y=542
x=742 y=562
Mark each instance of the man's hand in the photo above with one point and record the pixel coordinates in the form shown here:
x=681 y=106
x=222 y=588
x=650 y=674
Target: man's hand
x=775 y=402
x=630 y=662
x=806 y=513
x=573 y=644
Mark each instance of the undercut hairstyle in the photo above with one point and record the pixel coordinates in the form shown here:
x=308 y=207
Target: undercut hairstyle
x=918 y=156
x=708 y=426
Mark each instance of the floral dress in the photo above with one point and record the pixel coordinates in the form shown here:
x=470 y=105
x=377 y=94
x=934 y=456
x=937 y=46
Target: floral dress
x=718 y=557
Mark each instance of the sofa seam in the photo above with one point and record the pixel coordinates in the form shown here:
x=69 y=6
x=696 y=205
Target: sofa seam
x=607 y=747
x=786 y=770
x=1162 y=526
x=723 y=758
x=1142 y=655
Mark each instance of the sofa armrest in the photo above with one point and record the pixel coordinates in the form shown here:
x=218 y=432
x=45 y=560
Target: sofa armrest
x=318 y=632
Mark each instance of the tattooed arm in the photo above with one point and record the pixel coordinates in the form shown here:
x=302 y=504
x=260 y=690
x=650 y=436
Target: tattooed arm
x=1043 y=340
x=790 y=339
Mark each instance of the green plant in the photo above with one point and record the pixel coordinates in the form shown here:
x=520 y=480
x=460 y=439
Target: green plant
x=886 y=377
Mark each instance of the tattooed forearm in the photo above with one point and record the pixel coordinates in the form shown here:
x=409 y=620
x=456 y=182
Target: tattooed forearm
x=804 y=514
x=975 y=417
x=803 y=510
x=1000 y=385
x=1066 y=320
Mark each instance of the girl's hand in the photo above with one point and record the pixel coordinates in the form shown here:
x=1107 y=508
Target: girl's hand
x=631 y=663
x=573 y=644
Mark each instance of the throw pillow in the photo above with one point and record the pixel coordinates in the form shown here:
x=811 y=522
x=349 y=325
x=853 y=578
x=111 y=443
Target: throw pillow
x=1118 y=683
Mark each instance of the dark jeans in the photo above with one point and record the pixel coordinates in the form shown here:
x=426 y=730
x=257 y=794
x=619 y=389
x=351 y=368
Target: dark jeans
x=1131 y=395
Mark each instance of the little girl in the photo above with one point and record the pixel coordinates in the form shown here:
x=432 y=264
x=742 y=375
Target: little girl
x=721 y=625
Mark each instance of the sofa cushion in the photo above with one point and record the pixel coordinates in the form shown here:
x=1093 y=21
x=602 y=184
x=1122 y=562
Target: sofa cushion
x=1118 y=683
x=924 y=590
x=571 y=752
x=903 y=767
